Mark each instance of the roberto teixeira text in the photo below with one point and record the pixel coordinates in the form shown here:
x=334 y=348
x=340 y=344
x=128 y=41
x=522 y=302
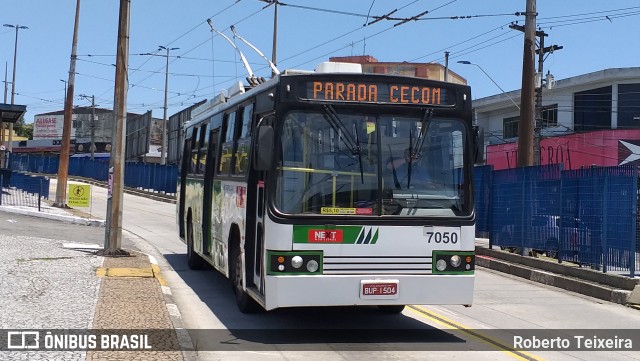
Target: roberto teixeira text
x=574 y=342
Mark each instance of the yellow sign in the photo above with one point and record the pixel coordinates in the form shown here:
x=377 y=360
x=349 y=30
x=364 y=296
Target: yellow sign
x=79 y=195
x=335 y=210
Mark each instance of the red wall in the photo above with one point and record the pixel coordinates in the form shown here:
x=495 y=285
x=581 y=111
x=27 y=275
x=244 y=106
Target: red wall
x=601 y=148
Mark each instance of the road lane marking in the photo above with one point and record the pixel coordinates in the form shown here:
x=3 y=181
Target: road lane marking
x=442 y=320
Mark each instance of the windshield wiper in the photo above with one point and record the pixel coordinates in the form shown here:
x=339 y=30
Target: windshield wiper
x=428 y=114
x=338 y=126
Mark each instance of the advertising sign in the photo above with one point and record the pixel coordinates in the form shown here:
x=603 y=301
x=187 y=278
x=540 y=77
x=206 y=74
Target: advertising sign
x=48 y=126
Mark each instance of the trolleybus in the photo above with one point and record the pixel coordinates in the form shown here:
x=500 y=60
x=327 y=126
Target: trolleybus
x=333 y=188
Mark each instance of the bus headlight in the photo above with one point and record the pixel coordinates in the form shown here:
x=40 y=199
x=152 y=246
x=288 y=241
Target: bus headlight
x=312 y=266
x=455 y=261
x=296 y=262
x=290 y=263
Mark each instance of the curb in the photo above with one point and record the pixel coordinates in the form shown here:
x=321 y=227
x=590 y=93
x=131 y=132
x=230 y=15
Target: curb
x=184 y=339
x=592 y=289
x=55 y=217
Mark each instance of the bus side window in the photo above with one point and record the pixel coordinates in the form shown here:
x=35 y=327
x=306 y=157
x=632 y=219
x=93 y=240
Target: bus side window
x=244 y=141
x=202 y=152
x=213 y=148
x=194 y=152
x=226 y=151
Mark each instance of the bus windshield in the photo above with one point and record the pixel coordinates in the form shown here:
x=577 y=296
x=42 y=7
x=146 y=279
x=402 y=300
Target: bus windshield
x=338 y=163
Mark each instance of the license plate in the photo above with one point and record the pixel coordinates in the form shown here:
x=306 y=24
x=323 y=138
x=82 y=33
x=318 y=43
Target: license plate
x=379 y=289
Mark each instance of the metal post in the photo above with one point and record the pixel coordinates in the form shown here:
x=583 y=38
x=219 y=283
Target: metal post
x=163 y=149
x=446 y=66
x=605 y=223
x=115 y=197
x=92 y=147
x=632 y=241
x=538 y=107
x=275 y=34
x=63 y=166
x=13 y=82
x=2 y=131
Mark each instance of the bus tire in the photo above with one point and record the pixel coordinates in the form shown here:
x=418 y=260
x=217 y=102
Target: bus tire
x=194 y=261
x=391 y=309
x=245 y=303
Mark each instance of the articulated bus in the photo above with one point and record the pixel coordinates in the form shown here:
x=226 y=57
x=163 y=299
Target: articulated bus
x=333 y=189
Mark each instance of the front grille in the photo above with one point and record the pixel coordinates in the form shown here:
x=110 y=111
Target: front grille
x=350 y=265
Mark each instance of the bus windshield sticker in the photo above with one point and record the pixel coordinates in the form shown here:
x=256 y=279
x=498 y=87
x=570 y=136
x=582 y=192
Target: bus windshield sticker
x=386 y=93
x=371 y=127
x=342 y=211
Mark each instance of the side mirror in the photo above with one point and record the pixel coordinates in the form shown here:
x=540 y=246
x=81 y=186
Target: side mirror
x=263 y=150
x=478 y=140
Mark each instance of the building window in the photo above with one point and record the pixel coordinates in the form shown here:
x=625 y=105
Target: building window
x=550 y=116
x=510 y=127
x=592 y=109
x=629 y=106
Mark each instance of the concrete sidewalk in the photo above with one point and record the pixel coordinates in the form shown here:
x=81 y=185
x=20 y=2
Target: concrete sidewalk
x=605 y=286
x=130 y=293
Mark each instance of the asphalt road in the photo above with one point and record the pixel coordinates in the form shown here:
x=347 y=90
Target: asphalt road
x=16 y=224
x=504 y=306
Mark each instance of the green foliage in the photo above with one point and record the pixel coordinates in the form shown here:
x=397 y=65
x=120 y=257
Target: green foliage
x=22 y=129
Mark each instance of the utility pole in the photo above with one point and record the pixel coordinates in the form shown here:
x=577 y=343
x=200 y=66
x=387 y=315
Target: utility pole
x=275 y=31
x=92 y=147
x=13 y=81
x=525 y=128
x=446 y=66
x=275 y=34
x=538 y=88
x=163 y=150
x=2 y=131
x=63 y=166
x=115 y=192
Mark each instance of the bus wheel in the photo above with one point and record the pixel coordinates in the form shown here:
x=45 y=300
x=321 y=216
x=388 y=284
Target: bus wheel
x=194 y=261
x=245 y=303
x=391 y=309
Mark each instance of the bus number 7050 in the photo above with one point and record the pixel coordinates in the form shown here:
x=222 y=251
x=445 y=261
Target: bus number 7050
x=442 y=237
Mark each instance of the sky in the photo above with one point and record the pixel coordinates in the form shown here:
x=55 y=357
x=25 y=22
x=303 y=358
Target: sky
x=595 y=35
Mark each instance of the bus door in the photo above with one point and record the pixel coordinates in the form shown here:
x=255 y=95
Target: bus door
x=184 y=168
x=208 y=223
x=256 y=209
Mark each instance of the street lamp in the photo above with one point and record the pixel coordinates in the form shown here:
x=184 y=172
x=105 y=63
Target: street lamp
x=13 y=83
x=164 y=121
x=65 y=88
x=494 y=82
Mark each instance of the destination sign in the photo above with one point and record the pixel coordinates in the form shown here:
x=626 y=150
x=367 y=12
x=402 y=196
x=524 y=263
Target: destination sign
x=379 y=93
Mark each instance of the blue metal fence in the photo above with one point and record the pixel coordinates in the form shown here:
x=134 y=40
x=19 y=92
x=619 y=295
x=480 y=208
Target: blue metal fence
x=147 y=176
x=586 y=216
x=24 y=190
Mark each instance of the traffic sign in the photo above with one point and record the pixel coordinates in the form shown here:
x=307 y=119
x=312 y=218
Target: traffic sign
x=79 y=195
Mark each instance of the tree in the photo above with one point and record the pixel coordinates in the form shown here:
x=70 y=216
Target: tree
x=22 y=129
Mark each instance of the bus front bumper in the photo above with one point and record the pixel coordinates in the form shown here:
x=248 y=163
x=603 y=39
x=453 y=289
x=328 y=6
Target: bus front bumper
x=349 y=290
